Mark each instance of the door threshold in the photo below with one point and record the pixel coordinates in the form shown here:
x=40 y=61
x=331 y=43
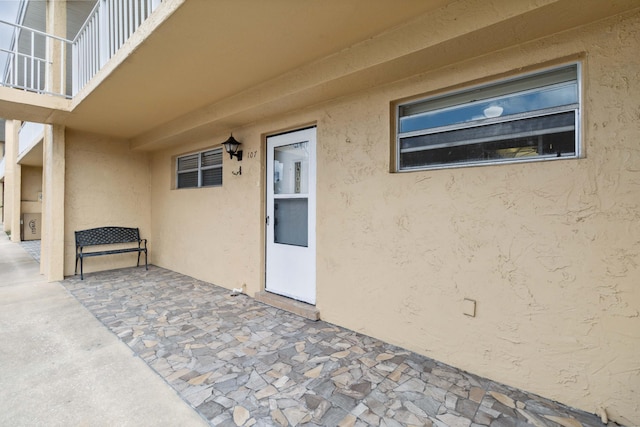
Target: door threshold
x=300 y=308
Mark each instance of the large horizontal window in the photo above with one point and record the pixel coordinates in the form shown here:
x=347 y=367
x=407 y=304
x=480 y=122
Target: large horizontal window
x=202 y=169
x=528 y=118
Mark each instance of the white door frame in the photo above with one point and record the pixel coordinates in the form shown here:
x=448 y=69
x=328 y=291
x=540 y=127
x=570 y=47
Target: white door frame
x=291 y=266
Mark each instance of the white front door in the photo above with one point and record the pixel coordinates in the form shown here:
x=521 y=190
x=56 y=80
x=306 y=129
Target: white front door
x=291 y=215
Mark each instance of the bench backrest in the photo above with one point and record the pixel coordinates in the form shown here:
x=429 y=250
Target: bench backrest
x=106 y=236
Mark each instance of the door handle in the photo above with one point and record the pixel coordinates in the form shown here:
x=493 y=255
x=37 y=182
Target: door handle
x=267 y=220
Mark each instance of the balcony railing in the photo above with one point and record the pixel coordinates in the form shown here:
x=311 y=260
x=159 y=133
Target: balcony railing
x=30 y=60
x=107 y=28
x=30 y=134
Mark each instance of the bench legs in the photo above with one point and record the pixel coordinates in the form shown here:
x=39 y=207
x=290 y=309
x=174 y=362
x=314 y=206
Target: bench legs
x=146 y=265
x=75 y=273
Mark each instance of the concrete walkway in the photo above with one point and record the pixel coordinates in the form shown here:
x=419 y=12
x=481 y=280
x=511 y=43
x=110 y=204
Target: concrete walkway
x=59 y=366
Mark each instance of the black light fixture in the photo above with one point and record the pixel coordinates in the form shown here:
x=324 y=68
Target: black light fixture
x=231 y=147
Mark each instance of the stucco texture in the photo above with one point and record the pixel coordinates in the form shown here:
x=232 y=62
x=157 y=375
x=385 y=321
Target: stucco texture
x=105 y=185
x=31 y=186
x=550 y=251
x=211 y=233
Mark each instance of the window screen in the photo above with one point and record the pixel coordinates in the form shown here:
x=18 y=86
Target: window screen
x=528 y=118
x=202 y=169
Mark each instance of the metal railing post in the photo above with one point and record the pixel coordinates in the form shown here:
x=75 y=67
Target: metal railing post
x=110 y=24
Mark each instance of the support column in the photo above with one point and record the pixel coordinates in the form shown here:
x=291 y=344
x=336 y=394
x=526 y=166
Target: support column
x=53 y=175
x=57 y=26
x=12 y=180
x=2 y=186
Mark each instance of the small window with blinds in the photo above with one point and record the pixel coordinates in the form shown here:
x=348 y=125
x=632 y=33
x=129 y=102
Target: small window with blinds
x=202 y=169
x=534 y=117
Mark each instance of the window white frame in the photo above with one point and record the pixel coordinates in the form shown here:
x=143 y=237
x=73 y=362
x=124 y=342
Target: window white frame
x=511 y=128
x=200 y=162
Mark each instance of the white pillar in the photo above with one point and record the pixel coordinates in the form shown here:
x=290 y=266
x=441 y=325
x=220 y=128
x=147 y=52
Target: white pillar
x=56 y=24
x=53 y=175
x=12 y=180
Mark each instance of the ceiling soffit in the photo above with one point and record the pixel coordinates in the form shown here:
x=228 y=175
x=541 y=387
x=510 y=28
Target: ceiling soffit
x=213 y=65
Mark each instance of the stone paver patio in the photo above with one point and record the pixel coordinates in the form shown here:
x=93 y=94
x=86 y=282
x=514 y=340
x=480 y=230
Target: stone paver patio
x=32 y=247
x=239 y=362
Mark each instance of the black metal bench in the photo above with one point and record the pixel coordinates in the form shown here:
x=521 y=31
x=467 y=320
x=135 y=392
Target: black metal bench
x=109 y=236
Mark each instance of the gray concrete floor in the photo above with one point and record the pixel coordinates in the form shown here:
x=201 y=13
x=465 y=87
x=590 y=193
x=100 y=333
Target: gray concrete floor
x=59 y=366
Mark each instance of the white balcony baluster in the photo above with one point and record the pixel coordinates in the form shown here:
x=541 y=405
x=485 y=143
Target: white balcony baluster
x=30 y=134
x=110 y=24
x=30 y=58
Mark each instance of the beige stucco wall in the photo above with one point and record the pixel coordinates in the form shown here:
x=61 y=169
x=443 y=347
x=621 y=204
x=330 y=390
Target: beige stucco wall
x=12 y=181
x=549 y=250
x=31 y=186
x=1 y=185
x=210 y=233
x=105 y=184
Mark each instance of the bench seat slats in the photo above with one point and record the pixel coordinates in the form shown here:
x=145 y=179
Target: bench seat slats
x=108 y=236
x=109 y=252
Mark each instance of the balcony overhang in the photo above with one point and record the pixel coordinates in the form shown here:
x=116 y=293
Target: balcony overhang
x=17 y=104
x=204 y=53
x=200 y=67
x=445 y=34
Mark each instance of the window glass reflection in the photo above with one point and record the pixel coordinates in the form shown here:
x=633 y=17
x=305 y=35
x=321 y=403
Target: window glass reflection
x=538 y=99
x=291 y=169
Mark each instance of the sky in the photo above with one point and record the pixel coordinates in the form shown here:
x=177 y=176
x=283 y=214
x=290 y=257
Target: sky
x=9 y=9
x=8 y=12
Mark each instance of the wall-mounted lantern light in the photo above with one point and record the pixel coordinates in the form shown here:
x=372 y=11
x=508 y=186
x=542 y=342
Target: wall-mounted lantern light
x=231 y=147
